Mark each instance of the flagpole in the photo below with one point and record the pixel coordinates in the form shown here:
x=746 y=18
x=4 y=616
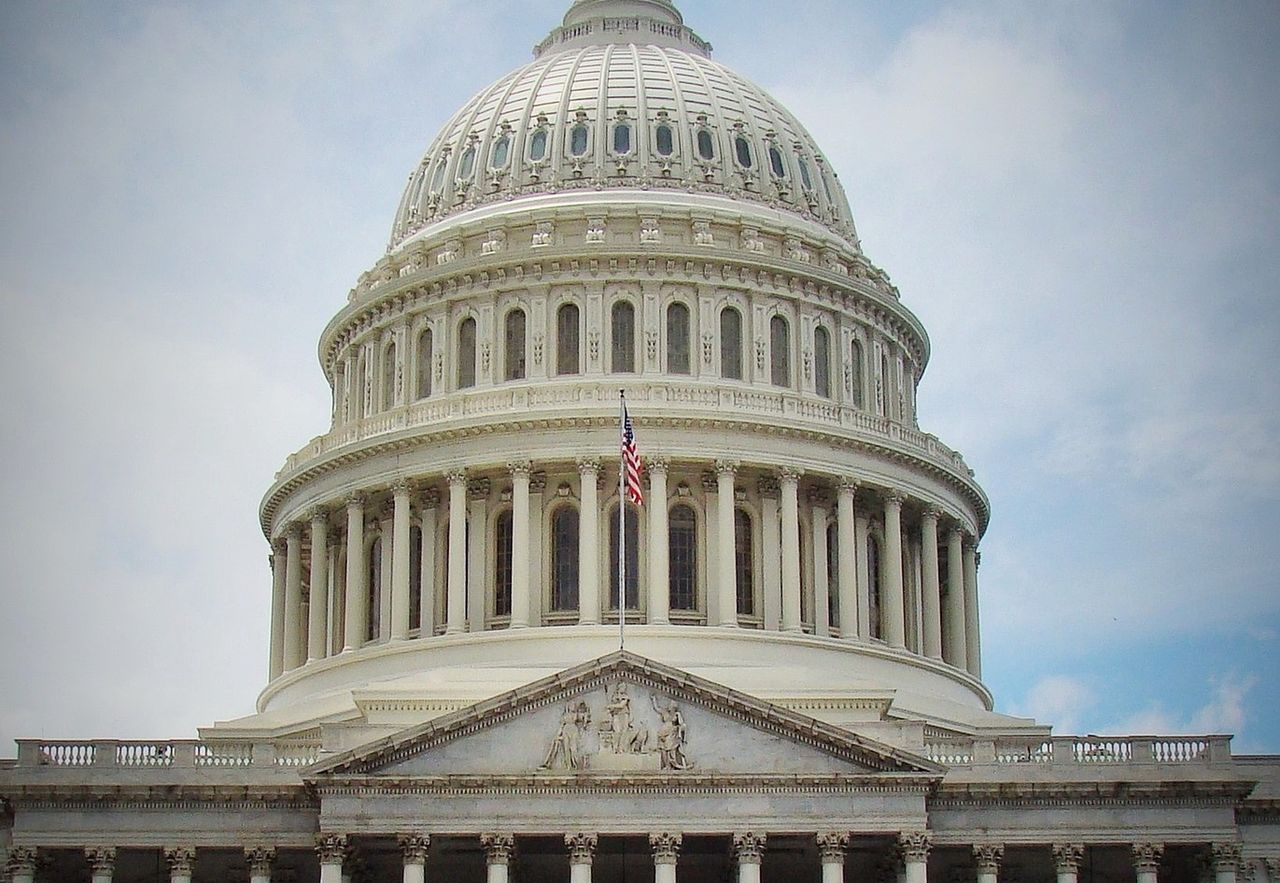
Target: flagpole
x=622 y=524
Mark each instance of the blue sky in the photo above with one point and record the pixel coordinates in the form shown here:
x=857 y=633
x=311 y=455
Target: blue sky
x=1079 y=199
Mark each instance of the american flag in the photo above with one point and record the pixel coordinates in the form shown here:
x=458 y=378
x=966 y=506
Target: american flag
x=631 y=460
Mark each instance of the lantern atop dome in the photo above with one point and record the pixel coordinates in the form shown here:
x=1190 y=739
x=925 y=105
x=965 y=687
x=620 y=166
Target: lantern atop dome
x=605 y=22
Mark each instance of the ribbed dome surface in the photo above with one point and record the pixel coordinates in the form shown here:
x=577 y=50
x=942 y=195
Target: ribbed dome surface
x=603 y=108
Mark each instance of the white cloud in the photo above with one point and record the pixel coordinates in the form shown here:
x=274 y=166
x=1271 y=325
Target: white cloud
x=1226 y=711
x=1061 y=701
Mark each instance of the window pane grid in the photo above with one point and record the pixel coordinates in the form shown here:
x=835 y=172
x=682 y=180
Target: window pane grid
x=682 y=558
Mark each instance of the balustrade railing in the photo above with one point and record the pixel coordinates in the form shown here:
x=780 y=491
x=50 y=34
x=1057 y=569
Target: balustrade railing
x=173 y=754
x=1077 y=750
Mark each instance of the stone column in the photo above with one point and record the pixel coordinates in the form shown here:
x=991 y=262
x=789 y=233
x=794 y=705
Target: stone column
x=789 y=480
x=582 y=848
x=260 y=860
x=861 y=536
x=831 y=850
x=893 y=602
x=953 y=649
x=293 y=636
x=748 y=847
x=589 y=544
x=726 y=546
x=357 y=590
x=847 y=577
x=666 y=851
x=331 y=849
x=22 y=864
x=1066 y=861
x=988 y=856
x=456 y=602
x=821 y=579
x=413 y=848
x=277 y=608
x=915 y=855
x=318 y=624
x=477 y=553
x=1146 y=861
x=102 y=862
x=1227 y=862
x=399 y=562
x=659 y=553
x=181 y=861
x=930 y=593
x=520 y=598
x=427 y=584
x=771 y=565
x=973 y=637
x=497 y=854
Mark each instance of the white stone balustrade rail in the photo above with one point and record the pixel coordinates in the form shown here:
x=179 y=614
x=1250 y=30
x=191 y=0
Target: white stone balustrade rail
x=174 y=754
x=1080 y=750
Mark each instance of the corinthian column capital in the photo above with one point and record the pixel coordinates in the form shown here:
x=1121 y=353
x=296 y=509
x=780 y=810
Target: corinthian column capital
x=666 y=847
x=260 y=859
x=331 y=848
x=102 y=859
x=413 y=847
x=988 y=856
x=832 y=846
x=1227 y=857
x=582 y=847
x=1146 y=856
x=498 y=848
x=181 y=860
x=1067 y=857
x=915 y=845
x=748 y=847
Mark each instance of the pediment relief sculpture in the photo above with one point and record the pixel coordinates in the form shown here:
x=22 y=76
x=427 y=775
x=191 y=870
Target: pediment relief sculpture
x=617 y=737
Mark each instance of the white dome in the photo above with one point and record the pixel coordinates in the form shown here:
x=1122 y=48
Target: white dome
x=623 y=96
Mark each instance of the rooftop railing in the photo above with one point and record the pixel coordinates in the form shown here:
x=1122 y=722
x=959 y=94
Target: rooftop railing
x=174 y=754
x=1078 y=750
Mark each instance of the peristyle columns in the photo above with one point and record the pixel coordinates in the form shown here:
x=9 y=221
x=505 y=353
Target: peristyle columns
x=331 y=849
x=659 y=562
x=666 y=851
x=748 y=852
x=260 y=860
x=520 y=599
x=399 y=562
x=727 y=595
x=988 y=857
x=915 y=856
x=582 y=849
x=1226 y=862
x=894 y=601
x=497 y=854
x=413 y=848
x=789 y=479
x=818 y=543
x=456 y=600
x=318 y=611
x=589 y=544
x=1066 y=861
x=102 y=863
x=954 y=650
x=356 y=612
x=181 y=861
x=277 y=609
x=293 y=649
x=831 y=850
x=930 y=600
x=1146 y=861
x=973 y=652
x=22 y=864
x=847 y=567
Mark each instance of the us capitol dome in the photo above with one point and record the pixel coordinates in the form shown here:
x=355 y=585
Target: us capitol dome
x=782 y=676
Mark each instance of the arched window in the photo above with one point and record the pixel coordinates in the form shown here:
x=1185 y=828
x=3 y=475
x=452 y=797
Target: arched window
x=564 y=559
x=424 y=363
x=682 y=555
x=805 y=178
x=567 y=360
x=873 y=577
x=706 y=145
x=776 y=164
x=339 y=390
x=374 y=599
x=622 y=139
x=515 y=346
x=743 y=559
x=623 y=353
x=578 y=140
x=389 y=377
x=503 y=534
x=678 y=339
x=467 y=354
x=415 y=577
x=730 y=344
x=357 y=389
x=833 y=575
x=886 y=387
x=632 y=528
x=467 y=166
x=437 y=180
x=664 y=137
x=779 y=351
x=538 y=145
x=855 y=373
x=742 y=151
x=822 y=362
x=500 y=153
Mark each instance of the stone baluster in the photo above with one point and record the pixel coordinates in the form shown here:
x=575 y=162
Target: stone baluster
x=260 y=860
x=988 y=857
x=748 y=850
x=589 y=543
x=846 y=554
x=477 y=554
x=498 y=849
x=1227 y=862
x=102 y=863
x=789 y=479
x=666 y=852
x=318 y=619
x=930 y=591
x=818 y=507
x=582 y=849
x=293 y=649
x=181 y=861
x=832 y=846
x=521 y=601
x=427 y=582
x=953 y=648
x=22 y=864
x=914 y=846
x=659 y=560
x=356 y=623
x=399 y=561
x=727 y=576
x=894 y=602
x=1066 y=861
x=413 y=851
x=331 y=849
x=456 y=600
x=277 y=608
x=972 y=631
x=1146 y=861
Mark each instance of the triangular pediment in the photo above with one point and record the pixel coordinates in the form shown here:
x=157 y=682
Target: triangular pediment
x=623 y=714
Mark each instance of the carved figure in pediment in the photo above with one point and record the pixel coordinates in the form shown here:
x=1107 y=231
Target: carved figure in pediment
x=620 y=733
x=670 y=742
x=567 y=749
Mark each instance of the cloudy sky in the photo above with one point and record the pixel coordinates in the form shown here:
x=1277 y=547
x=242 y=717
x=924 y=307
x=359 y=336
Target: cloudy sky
x=1079 y=199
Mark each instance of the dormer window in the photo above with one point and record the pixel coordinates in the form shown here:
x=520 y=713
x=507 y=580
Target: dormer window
x=442 y=165
x=622 y=139
x=664 y=138
x=776 y=163
x=578 y=140
x=538 y=146
x=467 y=165
x=806 y=177
x=706 y=145
x=500 y=153
x=742 y=151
